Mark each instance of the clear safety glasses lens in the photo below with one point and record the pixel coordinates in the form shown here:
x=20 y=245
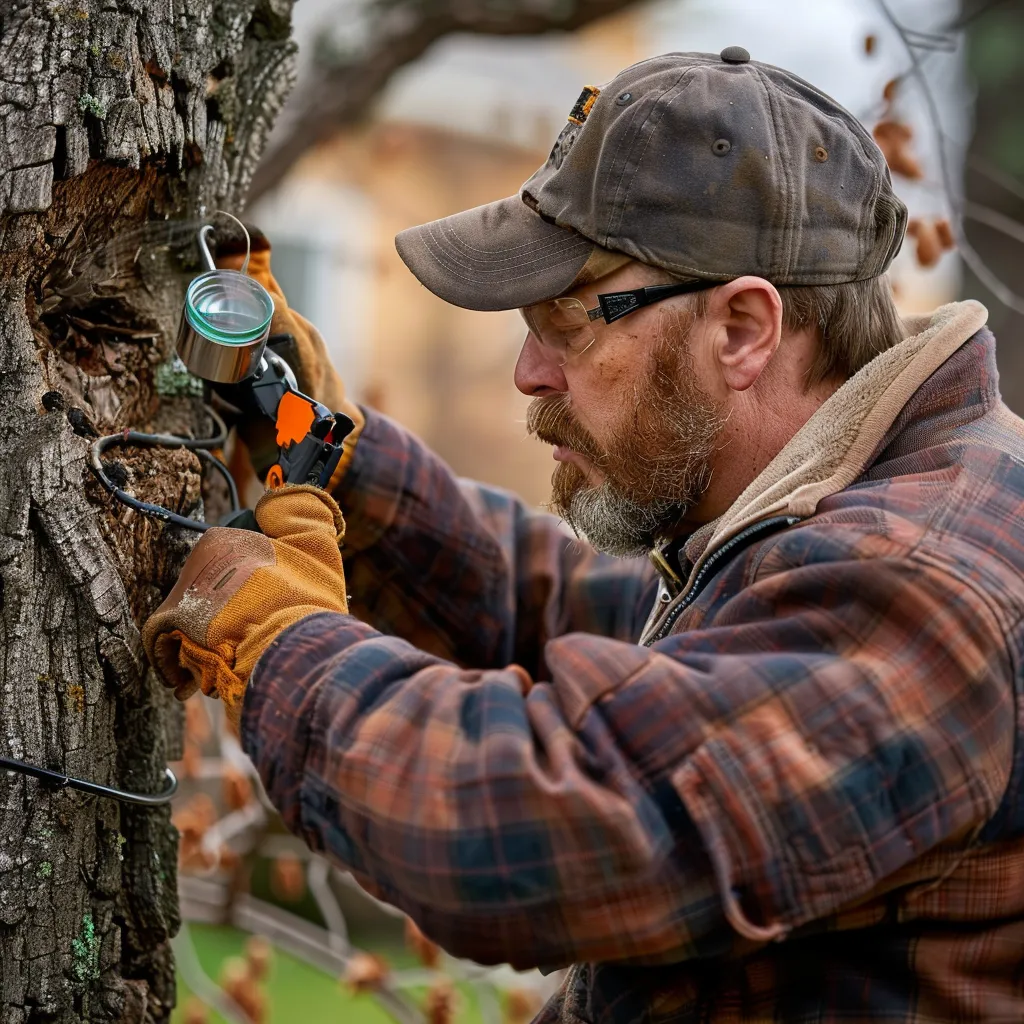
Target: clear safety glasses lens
x=562 y=326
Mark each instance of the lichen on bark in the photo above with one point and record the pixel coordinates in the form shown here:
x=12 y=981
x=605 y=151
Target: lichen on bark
x=121 y=125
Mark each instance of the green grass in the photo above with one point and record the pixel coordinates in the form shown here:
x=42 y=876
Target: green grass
x=298 y=992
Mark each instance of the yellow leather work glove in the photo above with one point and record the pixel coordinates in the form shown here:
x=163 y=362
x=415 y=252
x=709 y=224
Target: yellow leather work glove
x=239 y=589
x=308 y=358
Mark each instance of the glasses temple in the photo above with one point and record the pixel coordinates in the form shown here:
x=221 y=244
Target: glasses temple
x=656 y=292
x=615 y=305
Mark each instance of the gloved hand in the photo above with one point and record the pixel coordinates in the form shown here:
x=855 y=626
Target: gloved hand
x=306 y=354
x=239 y=589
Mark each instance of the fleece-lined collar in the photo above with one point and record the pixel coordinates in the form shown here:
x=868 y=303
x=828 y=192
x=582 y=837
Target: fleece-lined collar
x=835 y=445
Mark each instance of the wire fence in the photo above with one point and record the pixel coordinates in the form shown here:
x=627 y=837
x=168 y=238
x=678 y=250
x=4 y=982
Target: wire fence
x=227 y=825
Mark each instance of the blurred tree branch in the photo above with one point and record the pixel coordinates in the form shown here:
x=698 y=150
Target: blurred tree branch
x=391 y=34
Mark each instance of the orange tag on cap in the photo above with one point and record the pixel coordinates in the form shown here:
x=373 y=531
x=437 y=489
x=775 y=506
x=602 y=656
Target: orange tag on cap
x=581 y=111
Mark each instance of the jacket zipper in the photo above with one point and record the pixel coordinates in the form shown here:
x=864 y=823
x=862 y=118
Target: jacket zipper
x=705 y=574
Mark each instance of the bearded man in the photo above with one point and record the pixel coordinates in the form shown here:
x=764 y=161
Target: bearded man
x=797 y=792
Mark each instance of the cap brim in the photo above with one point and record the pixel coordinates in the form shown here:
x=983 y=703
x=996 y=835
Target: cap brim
x=498 y=256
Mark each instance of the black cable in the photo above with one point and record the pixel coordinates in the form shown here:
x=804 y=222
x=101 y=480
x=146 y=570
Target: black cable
x=212 y=459
x=60 y=780
x=202 y=446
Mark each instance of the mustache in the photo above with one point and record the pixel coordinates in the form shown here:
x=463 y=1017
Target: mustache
x=551 y=419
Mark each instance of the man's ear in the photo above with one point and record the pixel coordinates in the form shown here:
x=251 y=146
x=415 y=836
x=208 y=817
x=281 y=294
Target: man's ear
x=747 y=318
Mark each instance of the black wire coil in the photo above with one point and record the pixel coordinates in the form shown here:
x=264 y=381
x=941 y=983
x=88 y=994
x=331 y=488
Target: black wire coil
x=202 y=446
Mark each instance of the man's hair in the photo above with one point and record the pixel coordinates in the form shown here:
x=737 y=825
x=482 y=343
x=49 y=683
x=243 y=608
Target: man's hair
x=854 y=322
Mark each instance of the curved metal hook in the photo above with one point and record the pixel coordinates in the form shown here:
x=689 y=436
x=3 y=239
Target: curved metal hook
x=204 y=246
x=60 y=780
x=204 y=242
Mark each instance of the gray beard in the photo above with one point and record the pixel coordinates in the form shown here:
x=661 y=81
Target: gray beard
x=616 y=525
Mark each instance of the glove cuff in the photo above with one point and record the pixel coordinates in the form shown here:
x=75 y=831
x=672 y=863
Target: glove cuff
x=189 y=667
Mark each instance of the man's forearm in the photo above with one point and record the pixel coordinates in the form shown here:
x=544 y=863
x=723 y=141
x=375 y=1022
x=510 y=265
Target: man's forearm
x=464 y=798
x=468 y=572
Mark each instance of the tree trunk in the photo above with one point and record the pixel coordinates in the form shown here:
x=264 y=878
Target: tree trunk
x=121 y=124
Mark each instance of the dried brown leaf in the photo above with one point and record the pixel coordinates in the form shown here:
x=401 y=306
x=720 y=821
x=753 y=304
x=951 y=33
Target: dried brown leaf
x=521 y=1006
x=239 y=982
x=441 y=1002
x=366 y=972
x=237 y=788
x=194 y=1012
x=227 y=858
x=191 y=760
x=258 y=954
x=929 y=248
x=894 y=140
x=288 y=879
x=427 y=952
x=197 y=721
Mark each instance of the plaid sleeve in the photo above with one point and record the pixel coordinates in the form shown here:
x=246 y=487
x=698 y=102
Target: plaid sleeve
x=469 y=572
x=833 y=720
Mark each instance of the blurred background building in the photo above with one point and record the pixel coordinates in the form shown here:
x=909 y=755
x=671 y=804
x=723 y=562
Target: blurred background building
x=471 y=120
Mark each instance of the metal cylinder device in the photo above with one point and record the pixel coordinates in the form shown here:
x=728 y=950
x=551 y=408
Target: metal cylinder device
x=226 y=321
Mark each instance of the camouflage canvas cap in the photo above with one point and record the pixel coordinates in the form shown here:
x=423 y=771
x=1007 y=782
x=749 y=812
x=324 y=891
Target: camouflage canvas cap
x=707 y=166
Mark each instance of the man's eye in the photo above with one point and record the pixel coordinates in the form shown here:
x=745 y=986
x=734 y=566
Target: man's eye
x=567 y=321
x=576 y=338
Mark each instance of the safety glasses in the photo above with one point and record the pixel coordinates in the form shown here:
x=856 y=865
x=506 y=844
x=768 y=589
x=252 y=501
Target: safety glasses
x=565 y=326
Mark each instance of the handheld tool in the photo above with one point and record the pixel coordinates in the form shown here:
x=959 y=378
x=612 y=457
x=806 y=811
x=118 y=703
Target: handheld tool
x=223 y=339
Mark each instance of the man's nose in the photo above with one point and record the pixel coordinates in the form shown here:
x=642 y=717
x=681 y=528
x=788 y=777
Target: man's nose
x=538 y=370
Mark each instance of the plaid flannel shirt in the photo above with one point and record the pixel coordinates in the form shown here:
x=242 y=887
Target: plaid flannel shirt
x=805 y=803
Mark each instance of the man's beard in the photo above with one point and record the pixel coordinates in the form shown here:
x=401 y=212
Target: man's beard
x=657 y=468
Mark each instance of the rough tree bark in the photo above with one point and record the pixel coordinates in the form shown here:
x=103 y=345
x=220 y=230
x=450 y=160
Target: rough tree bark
x=121 y=122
